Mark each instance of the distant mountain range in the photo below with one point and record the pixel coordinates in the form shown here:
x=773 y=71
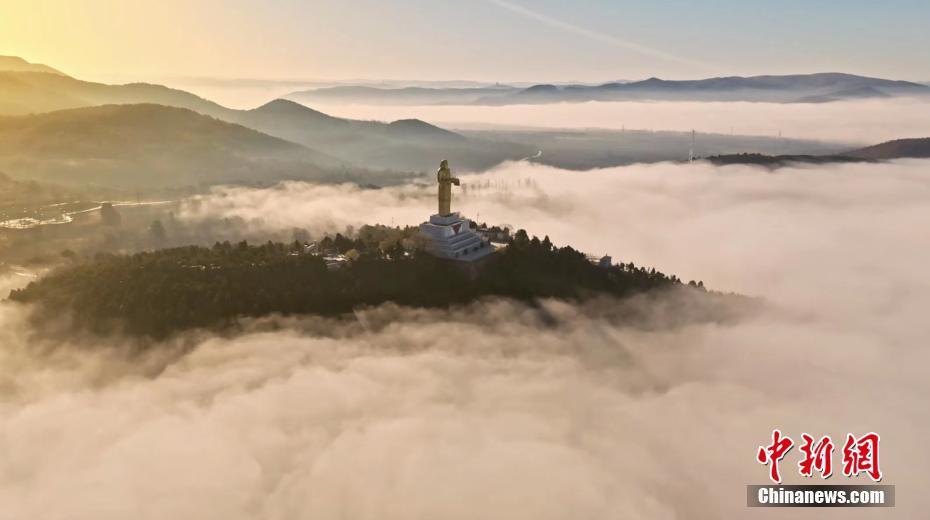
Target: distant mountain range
x=62 y=130
x=409 y=145
x=799 y=88
x=918 y=148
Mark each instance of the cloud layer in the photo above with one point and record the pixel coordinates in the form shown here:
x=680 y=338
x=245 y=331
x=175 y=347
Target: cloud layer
x=862 y=121
x=787 y=234
x=501 y=411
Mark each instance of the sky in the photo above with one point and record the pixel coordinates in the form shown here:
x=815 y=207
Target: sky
x=485 y=40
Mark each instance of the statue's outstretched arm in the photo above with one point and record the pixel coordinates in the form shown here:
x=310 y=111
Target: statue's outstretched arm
x=455 y=180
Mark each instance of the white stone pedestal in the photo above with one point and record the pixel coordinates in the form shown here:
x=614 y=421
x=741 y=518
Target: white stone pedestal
x=449 y=236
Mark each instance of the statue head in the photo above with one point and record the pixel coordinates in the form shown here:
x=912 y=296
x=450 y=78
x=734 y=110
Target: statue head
x=444 y=163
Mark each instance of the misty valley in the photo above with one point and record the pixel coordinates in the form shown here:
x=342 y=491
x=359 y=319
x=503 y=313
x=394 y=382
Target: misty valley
x=254 y=298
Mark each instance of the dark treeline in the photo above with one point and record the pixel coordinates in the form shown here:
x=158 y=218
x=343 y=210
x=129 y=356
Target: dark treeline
x=777 y=161
x=165 y=291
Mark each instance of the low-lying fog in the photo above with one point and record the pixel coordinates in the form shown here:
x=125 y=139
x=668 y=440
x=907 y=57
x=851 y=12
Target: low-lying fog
x=490 y=411
x=860 y=121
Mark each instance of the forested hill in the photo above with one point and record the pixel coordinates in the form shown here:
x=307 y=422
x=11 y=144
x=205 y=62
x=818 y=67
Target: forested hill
x=163 y=292
x=898 y=149
x=152 y=147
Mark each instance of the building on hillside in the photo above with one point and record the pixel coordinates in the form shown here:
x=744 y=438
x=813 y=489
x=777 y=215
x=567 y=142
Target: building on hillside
x=447 y=234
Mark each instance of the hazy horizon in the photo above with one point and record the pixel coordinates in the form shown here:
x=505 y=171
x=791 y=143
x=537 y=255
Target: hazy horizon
x=489 y=40
x=245 y=93
x=240 y=92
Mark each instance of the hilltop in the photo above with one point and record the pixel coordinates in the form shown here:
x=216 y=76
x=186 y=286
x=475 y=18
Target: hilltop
x=897 y=149
x=17 y=64
x=24 y=93
x=164 y=292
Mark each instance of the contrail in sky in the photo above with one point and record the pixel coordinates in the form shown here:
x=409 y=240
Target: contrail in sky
x=598 y=36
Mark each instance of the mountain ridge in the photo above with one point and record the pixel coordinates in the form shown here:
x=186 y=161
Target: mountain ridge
x=15 y=63
x=402 y=146
x=140 y=146
x=790 y=88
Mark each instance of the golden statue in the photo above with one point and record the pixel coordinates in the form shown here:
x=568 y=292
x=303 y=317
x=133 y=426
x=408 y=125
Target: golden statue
x=446 y=180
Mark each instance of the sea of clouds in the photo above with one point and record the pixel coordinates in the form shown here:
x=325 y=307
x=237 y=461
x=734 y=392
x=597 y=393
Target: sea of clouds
x=497 y=410
x=867 y=121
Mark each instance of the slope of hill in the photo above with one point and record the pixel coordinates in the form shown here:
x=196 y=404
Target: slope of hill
x=15 y=63
x=151 y=146
x=408 y=144
x=897 y=149
x=163 y=292
x=33 y=92
x=20 y=192
x=405 y=145
x=780 y=89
